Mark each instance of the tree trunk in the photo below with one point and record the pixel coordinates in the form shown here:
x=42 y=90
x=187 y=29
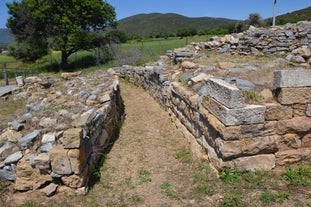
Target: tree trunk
x=64 y=63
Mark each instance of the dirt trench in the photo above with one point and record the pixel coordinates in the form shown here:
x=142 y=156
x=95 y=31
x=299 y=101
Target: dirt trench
x=143 y=168
x=148 y=165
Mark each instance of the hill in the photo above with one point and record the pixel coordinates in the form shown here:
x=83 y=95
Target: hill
x=293 y=17
x=155 y=23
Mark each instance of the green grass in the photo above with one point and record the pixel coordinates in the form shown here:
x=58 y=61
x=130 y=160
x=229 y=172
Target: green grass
x=298 y=176
x=268 y=197
x=166 y=187
x=184 y=155
x=204 y=181
x=11 y=109
x=252 y=95
x=229 y=176
x=233 y=199
x=148 y=50
x=144 y=176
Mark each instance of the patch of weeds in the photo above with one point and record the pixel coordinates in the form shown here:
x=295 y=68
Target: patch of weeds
x=29 y=204
x=233 y=199
x=254 y=179
x=56 y=107
x=184 y=155
x=129 y=57
x=252 y=95
x=298 y=176
x=205 y=182
x=11 y=108
x=136 y=199
x=229 y=176
x=167 y=189
x=268 y=197
x=144 y=176
x=60 y=203
x=111 y=204
x=129 y=183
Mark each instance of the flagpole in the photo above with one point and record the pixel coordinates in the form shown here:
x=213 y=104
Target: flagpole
x=274 y=13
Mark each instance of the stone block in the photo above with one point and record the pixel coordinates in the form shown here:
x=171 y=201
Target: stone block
x=292 y=78
x=50 y=190
x=249 y=114
x=42 y=162
x=306 y=141
x=180 y=90
x=7 y=149
x=253 y=163
x=289 y=141
x=13 y=158
x=275 y=111
x=294 y=125
x=308 y=111
x=10 y=135
x=294 y=95
x=224 y=93
x=47 y=122
x=299 y=109
x=7 y=173
x=60 y=162
x=246 y=147
x=226 y=132
x=77 y=160
x=82 y=120
x=48 y=138
x=72 y=138
x=26 y=140
x=292 y=156
x=73 y=181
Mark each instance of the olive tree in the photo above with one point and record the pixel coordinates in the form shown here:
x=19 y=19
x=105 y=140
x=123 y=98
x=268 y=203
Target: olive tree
x=67 y=25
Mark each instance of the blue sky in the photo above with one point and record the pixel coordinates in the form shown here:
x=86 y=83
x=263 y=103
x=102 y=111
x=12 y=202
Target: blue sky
x=233 y=9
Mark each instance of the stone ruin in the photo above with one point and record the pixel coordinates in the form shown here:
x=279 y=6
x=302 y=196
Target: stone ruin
x=60 y=139
x=231 y=132
x=213 y=108
x=291 y=39
x=58 y=142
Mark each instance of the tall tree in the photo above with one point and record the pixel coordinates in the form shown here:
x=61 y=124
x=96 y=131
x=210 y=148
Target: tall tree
x=68 y=25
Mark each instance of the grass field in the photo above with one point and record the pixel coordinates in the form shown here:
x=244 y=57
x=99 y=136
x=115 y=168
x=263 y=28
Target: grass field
x=133 y=52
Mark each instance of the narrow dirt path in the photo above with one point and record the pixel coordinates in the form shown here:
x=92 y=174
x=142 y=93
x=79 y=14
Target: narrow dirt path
x=149 y=165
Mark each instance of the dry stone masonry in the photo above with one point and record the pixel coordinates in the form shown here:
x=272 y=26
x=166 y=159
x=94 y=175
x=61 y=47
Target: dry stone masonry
x=233 y=132
x=59 y=141
x=293 y=39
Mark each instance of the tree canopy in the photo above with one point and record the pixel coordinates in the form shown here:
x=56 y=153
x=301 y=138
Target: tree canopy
x=66 y=25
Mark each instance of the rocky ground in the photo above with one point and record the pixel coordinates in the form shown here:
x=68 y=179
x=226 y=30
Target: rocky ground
x=150 y=164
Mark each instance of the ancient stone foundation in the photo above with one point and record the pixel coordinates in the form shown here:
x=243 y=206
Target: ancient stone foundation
x=60 y=140
x=231 y=132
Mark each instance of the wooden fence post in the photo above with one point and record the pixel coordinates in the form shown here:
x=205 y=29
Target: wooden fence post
x=6 y=78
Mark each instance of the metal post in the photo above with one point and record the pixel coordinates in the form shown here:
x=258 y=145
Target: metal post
x=274 y=13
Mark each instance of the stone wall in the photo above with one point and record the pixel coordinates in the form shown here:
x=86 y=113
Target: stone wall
x=293 y=38
x=231 y=132
x=60 y=140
